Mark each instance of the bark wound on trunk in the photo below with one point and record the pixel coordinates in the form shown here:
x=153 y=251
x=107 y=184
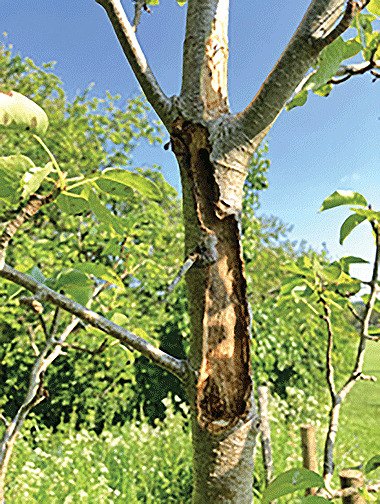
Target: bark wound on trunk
x=217 y=291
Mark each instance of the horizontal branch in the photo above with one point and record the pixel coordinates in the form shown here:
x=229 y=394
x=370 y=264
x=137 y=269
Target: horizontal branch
x=136 y=58
x=169 y=363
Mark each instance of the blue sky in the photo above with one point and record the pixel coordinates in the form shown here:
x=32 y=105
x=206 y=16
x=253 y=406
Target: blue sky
x=330 y=143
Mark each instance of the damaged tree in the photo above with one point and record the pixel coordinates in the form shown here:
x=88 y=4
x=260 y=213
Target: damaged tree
x=213 y=148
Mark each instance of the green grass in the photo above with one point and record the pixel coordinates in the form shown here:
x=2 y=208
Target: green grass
x=360 y=422
x=141 y=464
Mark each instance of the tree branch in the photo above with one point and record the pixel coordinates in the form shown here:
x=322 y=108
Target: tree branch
x=26 y=212
x=330 y=344
x=316 y=30
x=136 y=58
x=345 y=72
x=175 y=366
x=204 y=92
x=352 y=9
x=357 y=372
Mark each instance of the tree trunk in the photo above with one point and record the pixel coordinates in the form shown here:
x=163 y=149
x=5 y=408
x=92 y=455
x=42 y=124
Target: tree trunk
x=224 y=418
x=223 y=464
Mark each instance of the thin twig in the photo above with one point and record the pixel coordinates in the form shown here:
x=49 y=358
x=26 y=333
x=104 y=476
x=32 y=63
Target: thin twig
x=55 y=322
x=79 y=348
x=330 y=346
x=4 y=420
x=25 y=213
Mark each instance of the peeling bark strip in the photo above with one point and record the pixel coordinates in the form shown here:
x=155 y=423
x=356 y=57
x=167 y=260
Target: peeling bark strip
x=217 y=290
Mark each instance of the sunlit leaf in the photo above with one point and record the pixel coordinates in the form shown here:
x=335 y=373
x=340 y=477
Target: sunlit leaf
x=370 y=215
x=341 y=197
x=291 y=481
x=20 y=110
x=314 y=499
x=101 y=271
x=136 y=181
x=348 y=225
x=348 y=260
x=11 y=170
x=330 y=60
x=298 y=100
x=34 y=178
x=374 y=7
x=103 y=214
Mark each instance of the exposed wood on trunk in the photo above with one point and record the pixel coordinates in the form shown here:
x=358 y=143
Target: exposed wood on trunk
x=204 y=92
x=217 y=290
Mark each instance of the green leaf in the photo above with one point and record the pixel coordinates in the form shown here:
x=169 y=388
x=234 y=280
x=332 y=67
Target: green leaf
x=114 y=188
x=120 y=319
x=370 y=215
x=348 y=225
x=372 y=464
x=298 y=100
x=373 y=330
x=330 y=60
x=341 y=197
x=11 y=171
x=290 y=481
x=17 y=108
x=136 y=181
x=324 y=90
x=374 y=7
x=101 y=271
x=37 y=274
x=34 y=178
x=75 y=284
x=181 y=3
x=332 y=271
x=72 y=203
x=348 y=260
x=314 y=499
x=103 y=214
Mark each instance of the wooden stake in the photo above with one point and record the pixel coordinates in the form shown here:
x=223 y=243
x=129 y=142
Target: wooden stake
x=309 y=451
x=352 y=478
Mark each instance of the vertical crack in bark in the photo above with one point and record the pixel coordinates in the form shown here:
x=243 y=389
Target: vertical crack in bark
x=217 y=292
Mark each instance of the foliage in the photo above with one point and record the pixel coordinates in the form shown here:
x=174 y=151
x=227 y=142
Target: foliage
x=322 y=78
x=291 y=481
x=87 y=136
x=134 y=463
